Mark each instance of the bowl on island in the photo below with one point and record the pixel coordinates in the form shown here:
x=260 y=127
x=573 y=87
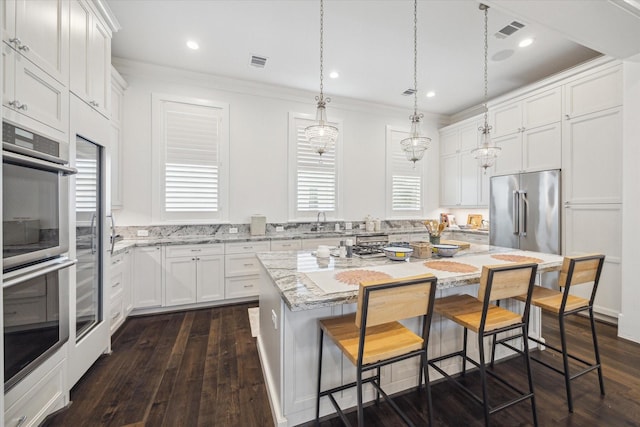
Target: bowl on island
x=446 y=250
x=397 y=253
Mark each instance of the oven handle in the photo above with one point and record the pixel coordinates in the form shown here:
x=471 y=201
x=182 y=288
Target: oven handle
x=57 y=264
x=37 y=163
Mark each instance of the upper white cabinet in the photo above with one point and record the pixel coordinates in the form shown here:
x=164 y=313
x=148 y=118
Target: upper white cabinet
x=39 y=30
x=529 y=132
x=90 y=50
x=118 y=86
x=462 y=182
x=32 y=97
x=596 y=91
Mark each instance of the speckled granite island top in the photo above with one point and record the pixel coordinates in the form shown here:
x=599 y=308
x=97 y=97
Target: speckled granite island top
x=291 y=271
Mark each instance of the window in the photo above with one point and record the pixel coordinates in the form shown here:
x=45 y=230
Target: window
x=404 y=181
x=314 y=180
x=190 y=143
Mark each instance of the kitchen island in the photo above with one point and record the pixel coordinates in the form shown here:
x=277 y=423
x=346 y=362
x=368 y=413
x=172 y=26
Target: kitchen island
x=293 y=296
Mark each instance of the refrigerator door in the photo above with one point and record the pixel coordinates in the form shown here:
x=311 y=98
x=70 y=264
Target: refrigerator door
x=540 y=211
x=503 y=211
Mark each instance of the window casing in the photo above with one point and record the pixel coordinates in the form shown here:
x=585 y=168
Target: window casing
x=190 y=146
x=404 y=182
x=314 y=180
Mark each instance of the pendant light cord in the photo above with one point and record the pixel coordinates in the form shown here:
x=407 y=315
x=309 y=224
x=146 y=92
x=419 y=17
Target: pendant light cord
x=321 y=49
x=415 y=57
x=486 y=50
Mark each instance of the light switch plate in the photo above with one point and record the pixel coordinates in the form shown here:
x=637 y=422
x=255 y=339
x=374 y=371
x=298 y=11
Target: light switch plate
x=279 y=228
x=348 y=226
x=143 y=233
x=233 y=230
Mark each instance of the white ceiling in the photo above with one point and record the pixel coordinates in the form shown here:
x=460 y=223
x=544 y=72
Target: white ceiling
x=369 y=42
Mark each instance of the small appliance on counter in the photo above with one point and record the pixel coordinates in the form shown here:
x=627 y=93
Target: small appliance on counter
x=258 y=225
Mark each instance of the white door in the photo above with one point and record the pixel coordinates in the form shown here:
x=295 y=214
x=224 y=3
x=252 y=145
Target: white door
x=180 y=281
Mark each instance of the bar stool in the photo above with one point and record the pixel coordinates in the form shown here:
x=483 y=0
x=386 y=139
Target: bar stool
x=576 y=270
x=372 y=336
x=487 y=320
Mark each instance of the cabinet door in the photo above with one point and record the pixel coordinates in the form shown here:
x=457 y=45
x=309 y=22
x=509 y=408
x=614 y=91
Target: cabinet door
x=126 y=282
x=116 y=157
x=595 y=92
x=180 y=280
x=43 y=29
x=79 y=41
x=592 y=158
x=449 y=142
x=510 y=160
x=8 y=17
x=210 y=275
x=469 y=136
x=468 y=180
x=597 y=229
x=542 y=148
x=147 y=277
x=8 y=75
x=41 y=97
x=100 y=68
x=484 y=178
x=242 y=286
x=450 y=180
x=542 y=109
x=506 y=119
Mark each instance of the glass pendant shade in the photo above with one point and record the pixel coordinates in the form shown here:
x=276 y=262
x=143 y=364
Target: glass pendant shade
x=487 y=152
x=321 y=135
x=415 y=145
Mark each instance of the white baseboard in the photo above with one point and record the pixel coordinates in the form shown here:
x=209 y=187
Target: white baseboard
x=274 y=402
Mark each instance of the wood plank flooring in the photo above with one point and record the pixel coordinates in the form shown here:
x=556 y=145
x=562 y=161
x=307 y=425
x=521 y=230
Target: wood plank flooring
x=201 y=368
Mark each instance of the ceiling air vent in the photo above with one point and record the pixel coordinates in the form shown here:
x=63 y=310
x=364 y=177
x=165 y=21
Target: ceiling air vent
x=409 y=91
x=258 y=61
x=509 y=30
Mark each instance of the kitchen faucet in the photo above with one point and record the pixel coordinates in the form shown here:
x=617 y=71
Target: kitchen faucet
x=324 y=216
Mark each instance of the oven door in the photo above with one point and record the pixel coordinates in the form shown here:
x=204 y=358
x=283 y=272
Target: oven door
x=35 y=209
x=36 y=316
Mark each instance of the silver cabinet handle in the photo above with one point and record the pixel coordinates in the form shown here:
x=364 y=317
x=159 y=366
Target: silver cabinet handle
x=568 y=117
x=524 y=208
x=43 y=268
x=23 y=107
x=93 y=239
x=15 y=40
x=115 y=316
x=516 y=212
x=24 y=47
x=113 y=232
x=15 y=103
x=21 y=420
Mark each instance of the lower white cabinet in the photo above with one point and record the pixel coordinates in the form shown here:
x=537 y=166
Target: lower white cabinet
x=147 y=277
x=193 y=273
x=242 y=268
x=311 y=244
x=120 y=298
x=286 y=245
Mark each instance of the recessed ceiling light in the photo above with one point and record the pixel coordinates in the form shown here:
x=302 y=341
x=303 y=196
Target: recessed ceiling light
x=525 y=42
x=334 y=74
x=431 y=94
x=192 y=45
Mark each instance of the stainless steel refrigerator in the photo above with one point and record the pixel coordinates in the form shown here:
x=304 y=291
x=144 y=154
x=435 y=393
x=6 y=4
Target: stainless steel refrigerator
x=525 y=211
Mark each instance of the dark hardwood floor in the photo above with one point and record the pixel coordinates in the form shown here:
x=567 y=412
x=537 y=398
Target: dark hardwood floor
x=201 y=368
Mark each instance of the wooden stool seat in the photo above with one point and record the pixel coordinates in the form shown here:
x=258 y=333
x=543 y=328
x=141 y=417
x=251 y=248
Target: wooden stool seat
x=467 y=311
x=382 y=341
x=551 y=300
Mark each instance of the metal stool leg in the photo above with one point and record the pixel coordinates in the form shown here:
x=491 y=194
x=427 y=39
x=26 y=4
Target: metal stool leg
x=425 y=366
x=527 y=359
x=565 y=361
x=464 y=352
x=319 y=378
x=596 y=351
x=359 y=392
x=483 y=379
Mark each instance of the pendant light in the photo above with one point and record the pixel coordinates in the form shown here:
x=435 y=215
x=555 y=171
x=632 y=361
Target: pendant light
x=321 y=135
x=416 y=144
x=487 y=152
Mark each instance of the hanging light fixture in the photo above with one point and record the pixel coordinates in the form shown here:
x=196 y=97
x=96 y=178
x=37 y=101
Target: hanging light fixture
x=487 y=152
x=321 y=135
x=416 y=144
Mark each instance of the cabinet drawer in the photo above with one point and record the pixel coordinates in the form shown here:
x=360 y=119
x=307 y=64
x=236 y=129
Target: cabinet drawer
x=244 y=286
x=25 y=311
x=117 y=281
x=193 y=250
x=241 y=265
x=42 y=399
x=246 y=247
x=286 y=245
x=116 y=313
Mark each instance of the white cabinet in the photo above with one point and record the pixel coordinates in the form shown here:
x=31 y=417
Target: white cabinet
x=529 y=133
x=193 y=273
x=121 y=302
x=147 y=277
x=596 y=91
x=31 y=95
x=286 y=245
x=90 y=52
x=39 y=30
x=462 y=182
x=118 y=86
x=242 y=268
x=312 y=244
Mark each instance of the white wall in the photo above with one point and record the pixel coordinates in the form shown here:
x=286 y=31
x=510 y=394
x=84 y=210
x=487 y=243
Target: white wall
x=629 y=319
x=258 y=144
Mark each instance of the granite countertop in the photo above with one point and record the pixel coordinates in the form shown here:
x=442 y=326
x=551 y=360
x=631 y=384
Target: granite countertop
x=288 y=270
x=123 y=245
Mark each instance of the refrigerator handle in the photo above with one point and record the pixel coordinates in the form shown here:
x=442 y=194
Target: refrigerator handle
x=516 y=212
x=523 y=210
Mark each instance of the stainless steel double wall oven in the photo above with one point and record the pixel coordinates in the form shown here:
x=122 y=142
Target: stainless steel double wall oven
x=35 y=216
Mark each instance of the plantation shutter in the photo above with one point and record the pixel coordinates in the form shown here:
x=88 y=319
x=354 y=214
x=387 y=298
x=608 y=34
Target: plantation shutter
x=86 y=185
x=316 y=176
x=406 y=181
x=191 y=167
